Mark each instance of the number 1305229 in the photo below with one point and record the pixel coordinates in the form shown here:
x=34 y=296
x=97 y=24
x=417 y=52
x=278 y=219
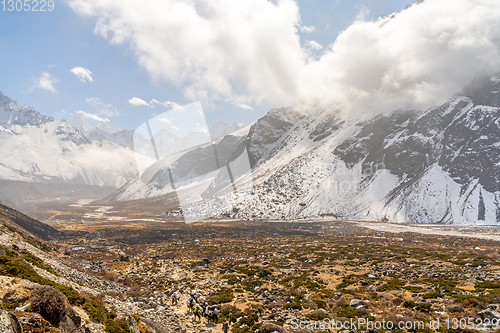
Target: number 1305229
x=27 y=5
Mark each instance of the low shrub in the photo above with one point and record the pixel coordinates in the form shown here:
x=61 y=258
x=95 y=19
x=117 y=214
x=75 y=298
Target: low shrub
x=49 y=303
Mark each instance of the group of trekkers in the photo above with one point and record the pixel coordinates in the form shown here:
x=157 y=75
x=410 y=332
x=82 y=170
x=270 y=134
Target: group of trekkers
x=200 y=307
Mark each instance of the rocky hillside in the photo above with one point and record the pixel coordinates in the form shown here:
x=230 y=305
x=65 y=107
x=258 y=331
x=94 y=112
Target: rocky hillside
x=15 y=220
x=40 y=292
x=436 y=166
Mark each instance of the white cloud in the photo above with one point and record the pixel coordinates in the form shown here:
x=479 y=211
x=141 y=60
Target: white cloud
x=92 y=116
x=64 y=113
x=307 y=29
x=83 y=74
x=244 y=106
x=137 y=101
x=102 y=108
x=201 y=128
x=413 y=59
x=363 y=13
x=45 y=81
x=314 y=45
x=250 y=51
x=212 y=49
x=167 y=104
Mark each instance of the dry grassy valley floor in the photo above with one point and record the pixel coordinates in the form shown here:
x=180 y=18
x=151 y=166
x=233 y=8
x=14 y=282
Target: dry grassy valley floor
x=275 y=272
x=264 y=275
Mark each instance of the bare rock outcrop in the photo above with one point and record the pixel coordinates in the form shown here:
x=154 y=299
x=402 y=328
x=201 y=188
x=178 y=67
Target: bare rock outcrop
x=132 y=324
x=9 y=323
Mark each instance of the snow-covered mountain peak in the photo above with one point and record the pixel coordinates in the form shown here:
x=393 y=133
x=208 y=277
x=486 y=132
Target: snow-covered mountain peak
x=440 y=165
x=80 y=123
x=484 y=91
x=14 y=113
x=106 y=128
x=220 y=129
x=37 y=148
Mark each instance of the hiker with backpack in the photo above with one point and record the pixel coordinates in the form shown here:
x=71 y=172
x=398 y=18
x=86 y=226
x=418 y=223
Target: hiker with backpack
x=197 y=311
x=175 y=298
x=225 y=326
x=194 y=295
x=203 y=305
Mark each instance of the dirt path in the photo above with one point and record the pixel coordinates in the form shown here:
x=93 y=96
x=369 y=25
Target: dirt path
x=190 y=322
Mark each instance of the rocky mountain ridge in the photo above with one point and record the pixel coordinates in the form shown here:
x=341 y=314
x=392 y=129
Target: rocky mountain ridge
x=439 y=165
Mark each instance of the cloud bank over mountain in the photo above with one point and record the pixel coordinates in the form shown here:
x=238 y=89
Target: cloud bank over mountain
x=244 y=52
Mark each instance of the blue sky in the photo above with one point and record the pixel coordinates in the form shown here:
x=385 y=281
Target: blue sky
x=34 y=43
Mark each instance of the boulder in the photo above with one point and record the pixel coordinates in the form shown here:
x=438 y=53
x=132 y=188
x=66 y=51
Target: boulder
x=357 y=303
x=9 y=323
x=265 y=272
x=33 y=322
x=199 y=263
x=67 y=325
x=270 y=328
x=124 y=258
x=491 y=312
x=132 y=324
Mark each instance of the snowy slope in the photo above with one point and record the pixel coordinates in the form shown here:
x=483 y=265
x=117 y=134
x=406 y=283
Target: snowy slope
x=441 y=165
x=36 y=148
x=14 y=113
x=197 y=162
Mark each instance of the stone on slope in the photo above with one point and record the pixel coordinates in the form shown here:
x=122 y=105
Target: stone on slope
x=33 y=322
x=9 y=323
x=132 y=324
